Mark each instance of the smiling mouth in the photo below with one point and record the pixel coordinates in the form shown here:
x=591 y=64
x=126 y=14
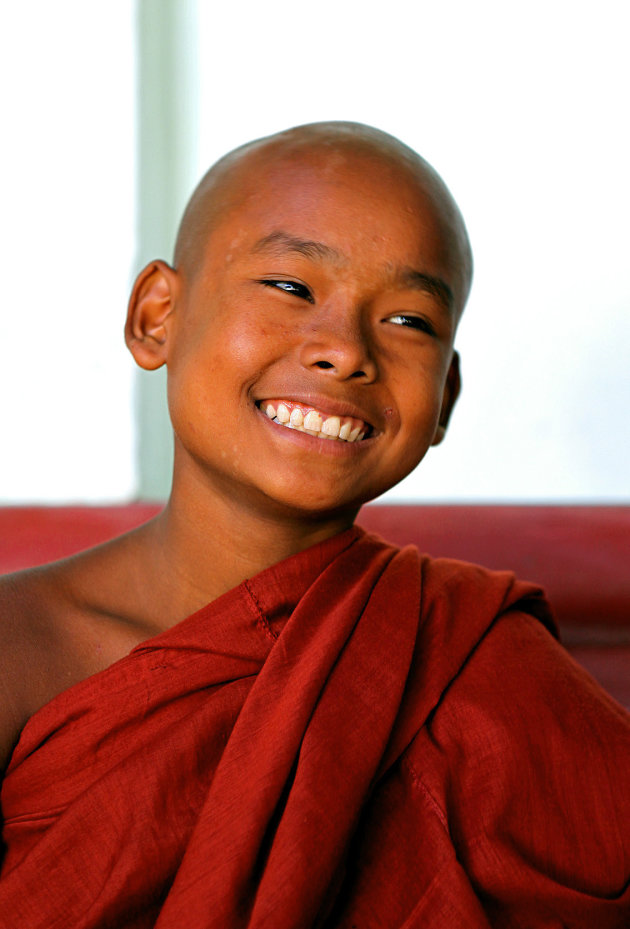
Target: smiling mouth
x=304 y=418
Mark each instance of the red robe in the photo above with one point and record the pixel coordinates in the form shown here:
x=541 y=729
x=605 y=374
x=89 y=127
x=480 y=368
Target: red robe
x=356 y=737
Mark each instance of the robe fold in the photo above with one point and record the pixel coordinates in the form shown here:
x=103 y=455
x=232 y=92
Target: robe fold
x=356 y=737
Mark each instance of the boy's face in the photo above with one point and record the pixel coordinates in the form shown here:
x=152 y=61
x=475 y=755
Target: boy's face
x=327 y=286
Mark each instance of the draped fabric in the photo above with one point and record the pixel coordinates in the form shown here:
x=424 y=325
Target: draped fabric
x=356 y=737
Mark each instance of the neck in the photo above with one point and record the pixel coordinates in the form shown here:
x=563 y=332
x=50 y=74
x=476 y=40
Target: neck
x=208 y=543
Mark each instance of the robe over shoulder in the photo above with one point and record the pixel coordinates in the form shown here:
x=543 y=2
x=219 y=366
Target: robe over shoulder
x=357 y=737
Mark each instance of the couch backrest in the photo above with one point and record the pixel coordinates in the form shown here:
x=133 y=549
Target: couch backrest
x=579 y=554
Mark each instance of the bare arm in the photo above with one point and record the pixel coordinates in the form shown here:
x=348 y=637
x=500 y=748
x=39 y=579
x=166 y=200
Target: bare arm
x=14 y=660
x=29 y=653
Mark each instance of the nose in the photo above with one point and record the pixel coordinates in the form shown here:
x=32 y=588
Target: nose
x=339 y=348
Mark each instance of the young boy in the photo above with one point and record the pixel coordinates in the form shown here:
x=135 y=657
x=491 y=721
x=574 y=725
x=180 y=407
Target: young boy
x=250 y=713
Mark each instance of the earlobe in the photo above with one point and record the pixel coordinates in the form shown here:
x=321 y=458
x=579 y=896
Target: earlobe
x=148 y=322
x=452 y=390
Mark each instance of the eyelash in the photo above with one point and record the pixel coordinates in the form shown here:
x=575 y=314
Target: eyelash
x=414 y=322
x=289 y=287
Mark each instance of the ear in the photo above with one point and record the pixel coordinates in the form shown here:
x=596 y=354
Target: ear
x=151 y=304
x=452 y=390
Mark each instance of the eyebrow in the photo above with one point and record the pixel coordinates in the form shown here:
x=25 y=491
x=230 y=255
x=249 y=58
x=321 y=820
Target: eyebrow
x=427 y=283
x=279 y=243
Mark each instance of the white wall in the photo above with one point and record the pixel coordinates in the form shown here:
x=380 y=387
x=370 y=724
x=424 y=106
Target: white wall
x=523 y=109
x=67 y=228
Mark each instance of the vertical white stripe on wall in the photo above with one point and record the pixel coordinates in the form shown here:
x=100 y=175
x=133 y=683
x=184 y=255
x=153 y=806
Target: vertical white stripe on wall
x=167 y=106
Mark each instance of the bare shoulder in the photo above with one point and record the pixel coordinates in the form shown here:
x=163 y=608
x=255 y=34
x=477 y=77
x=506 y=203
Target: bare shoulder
x=61 y=623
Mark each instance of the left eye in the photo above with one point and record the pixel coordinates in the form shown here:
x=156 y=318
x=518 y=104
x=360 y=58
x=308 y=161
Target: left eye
x=289 y=287
x=413 y=322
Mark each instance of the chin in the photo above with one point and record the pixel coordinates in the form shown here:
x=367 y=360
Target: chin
x=314 y=507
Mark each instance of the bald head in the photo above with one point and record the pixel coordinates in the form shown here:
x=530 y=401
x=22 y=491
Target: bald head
x=323 y=148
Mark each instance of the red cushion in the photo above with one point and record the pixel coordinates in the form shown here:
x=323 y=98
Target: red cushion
x=32 y=535
x=579 y=554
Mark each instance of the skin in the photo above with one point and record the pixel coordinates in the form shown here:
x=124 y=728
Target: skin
x=327 y=265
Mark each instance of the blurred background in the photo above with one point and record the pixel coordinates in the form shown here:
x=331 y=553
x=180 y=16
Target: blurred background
x=111 y=114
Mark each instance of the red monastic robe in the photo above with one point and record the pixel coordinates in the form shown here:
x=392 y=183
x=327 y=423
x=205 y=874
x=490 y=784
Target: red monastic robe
x=356 y=737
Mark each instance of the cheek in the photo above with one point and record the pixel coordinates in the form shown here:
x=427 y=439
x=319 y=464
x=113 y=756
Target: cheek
x=418 y=414
x=420 y=397
x=195 y=384
x=212 y=370
x=185 y=397
x=246 y=345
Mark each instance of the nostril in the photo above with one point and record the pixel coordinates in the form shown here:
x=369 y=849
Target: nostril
x=323 y=364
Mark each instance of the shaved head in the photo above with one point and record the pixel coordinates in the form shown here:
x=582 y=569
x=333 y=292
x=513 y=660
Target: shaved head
x=324 y=148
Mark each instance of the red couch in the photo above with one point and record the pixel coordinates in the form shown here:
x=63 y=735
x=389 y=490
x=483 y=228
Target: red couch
x=579 y=554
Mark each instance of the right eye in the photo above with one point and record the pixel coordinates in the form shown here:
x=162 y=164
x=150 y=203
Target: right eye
x=289 y=287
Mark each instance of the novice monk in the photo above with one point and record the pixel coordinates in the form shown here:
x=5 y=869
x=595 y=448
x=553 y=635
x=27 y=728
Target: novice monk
x=340 y=734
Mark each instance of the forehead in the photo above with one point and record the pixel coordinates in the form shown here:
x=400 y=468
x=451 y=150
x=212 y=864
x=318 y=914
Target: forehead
x=355 y=204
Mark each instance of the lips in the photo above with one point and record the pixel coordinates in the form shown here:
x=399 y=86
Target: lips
x=305 y=418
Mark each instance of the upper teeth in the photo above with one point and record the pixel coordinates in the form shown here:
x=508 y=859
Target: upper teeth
x=293 y=416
